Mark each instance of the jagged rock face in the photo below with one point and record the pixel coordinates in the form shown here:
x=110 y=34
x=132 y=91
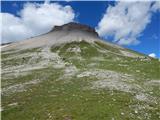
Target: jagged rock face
x=76 y=27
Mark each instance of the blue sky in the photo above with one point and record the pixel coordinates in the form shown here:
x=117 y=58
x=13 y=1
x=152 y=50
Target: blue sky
x=145 y=38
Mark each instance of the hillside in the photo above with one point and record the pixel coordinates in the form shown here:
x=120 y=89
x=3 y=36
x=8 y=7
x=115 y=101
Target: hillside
x=71 y=74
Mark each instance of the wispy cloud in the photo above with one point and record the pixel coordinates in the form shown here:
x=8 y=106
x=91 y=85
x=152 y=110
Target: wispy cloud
x=126 y=21
x=34 y=19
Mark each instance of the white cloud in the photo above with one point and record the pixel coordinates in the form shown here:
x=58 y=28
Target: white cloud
x=156 y=6
x=152 y=55
x=34 y=19
x=126 y=20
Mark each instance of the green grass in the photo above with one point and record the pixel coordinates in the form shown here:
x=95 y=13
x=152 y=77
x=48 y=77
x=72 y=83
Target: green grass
x=64 y=98
x=107 y=47
x=68 y=99
x=9 y=53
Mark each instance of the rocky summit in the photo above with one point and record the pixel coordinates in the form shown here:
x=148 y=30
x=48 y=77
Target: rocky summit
x=75 y=27
x=70 y=73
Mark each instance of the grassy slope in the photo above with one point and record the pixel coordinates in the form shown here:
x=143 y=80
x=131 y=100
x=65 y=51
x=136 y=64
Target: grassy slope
x=69 y=98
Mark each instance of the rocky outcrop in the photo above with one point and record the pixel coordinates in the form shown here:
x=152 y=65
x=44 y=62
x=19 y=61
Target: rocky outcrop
x=72 y=26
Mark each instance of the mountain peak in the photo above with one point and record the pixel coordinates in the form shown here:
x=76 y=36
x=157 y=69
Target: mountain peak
x=72 y=26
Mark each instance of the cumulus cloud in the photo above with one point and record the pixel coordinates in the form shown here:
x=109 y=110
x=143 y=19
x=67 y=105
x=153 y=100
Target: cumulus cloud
x=34 y=19
x=126 y=20
x=156 y=6
x=152 y=55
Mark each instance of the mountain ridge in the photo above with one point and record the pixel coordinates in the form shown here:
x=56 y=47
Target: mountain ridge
x=75 y=26
x=59 y=34
x=70 y=74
